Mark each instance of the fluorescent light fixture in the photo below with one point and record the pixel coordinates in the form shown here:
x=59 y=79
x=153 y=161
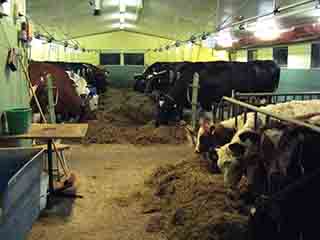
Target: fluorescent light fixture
x=209 y=41
x=37 y=43
x=116 y=16
x=122 y=17
x=124 y=25
x=122 y=3
x=224 y=38
x=122 y=6
x=267 y=29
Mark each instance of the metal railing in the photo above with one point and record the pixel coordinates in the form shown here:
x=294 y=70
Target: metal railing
x=271 y=97
x=223 y=110
x=236 y=104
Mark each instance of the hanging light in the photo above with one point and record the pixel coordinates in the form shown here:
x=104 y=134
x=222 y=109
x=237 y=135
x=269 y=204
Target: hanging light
x=178 y=44
x=66 y=44
x=224 y=38
x=193 y=39
x=37 y=35
x=50 y=39
x=204 y=36
x=267 y=29
x=167 y=47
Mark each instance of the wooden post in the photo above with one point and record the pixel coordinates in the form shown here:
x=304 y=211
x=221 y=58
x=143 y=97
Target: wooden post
x=51 y=105
x=195 y=87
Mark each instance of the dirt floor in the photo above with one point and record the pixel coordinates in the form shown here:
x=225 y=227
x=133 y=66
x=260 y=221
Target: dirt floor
x=108 y=175
x=125 y=116
x=141 y=182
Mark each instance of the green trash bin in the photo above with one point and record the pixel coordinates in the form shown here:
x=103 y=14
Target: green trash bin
x=19 y=120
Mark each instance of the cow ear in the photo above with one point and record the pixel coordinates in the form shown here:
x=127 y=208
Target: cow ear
x=253 y=137
x=237 y=149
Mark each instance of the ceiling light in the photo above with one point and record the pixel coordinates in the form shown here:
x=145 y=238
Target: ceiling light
x=224 y=38
x=97 y=7
x=37 y=35
x=204 y=36
x=122 y=5
x=122 y=26
x=267 y=29
x=193 y=39
x=122 y=17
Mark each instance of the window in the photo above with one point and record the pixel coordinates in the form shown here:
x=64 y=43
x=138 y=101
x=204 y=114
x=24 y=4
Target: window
x=280 y=56
x=315 y=55
x=110 y=59
x=252 y=55
x=133 y=59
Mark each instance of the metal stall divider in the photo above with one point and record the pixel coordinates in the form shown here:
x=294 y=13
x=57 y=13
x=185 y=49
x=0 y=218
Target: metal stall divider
x=225 y=109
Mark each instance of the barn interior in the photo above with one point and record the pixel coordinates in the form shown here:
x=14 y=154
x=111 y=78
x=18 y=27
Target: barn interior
x=159 y=119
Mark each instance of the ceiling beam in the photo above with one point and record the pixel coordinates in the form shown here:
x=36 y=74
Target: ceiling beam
x=149 y=34
x=91 y=34
x=118 y=30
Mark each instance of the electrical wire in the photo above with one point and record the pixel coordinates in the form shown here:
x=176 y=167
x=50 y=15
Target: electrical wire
x=244 y=4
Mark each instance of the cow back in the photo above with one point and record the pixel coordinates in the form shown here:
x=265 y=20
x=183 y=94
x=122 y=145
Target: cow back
x=68 y=99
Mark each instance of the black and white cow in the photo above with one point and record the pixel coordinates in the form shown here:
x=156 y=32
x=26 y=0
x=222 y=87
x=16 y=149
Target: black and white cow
x=218 y=79
x=159 y=77
x=293 y=177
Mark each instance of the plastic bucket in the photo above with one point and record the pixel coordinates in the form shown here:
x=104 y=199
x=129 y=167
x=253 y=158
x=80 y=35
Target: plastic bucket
x=19 y=120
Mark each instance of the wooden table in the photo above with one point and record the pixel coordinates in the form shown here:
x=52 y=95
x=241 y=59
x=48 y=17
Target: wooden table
x=50 y=132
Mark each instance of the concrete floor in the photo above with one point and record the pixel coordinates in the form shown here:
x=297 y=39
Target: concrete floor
x=107 y=173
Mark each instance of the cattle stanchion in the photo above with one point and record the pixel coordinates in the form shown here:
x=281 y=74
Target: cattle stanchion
x=195 y=87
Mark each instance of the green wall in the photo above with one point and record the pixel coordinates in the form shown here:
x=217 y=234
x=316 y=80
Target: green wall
x=13 y=85
x=299 y=80
x=123 y=76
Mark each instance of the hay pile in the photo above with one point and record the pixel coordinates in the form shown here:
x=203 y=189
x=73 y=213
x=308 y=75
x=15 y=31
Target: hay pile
x=186 y=202
x=125 y=116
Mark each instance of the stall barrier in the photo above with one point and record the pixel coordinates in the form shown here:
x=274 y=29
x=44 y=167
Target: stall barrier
x=20 y=171
x=224 y=110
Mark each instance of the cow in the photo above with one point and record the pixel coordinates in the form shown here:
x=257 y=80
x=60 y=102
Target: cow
x=223 y=132
x=235 y=157
x=159 y=77
x=95 y=76
x=69 y=101
x=141 y=80
x=218 y=79
x=294 y=173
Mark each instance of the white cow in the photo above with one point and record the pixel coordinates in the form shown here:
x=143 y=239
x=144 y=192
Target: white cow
x=83 y=90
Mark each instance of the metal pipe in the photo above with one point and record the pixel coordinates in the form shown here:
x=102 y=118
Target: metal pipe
x=288 y=7
x=267 y=94
x=264 y=112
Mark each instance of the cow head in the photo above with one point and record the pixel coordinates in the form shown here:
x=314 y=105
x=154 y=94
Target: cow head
x=93 y=102
x=235 y=157
x=288 y=164
x=167 y=110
